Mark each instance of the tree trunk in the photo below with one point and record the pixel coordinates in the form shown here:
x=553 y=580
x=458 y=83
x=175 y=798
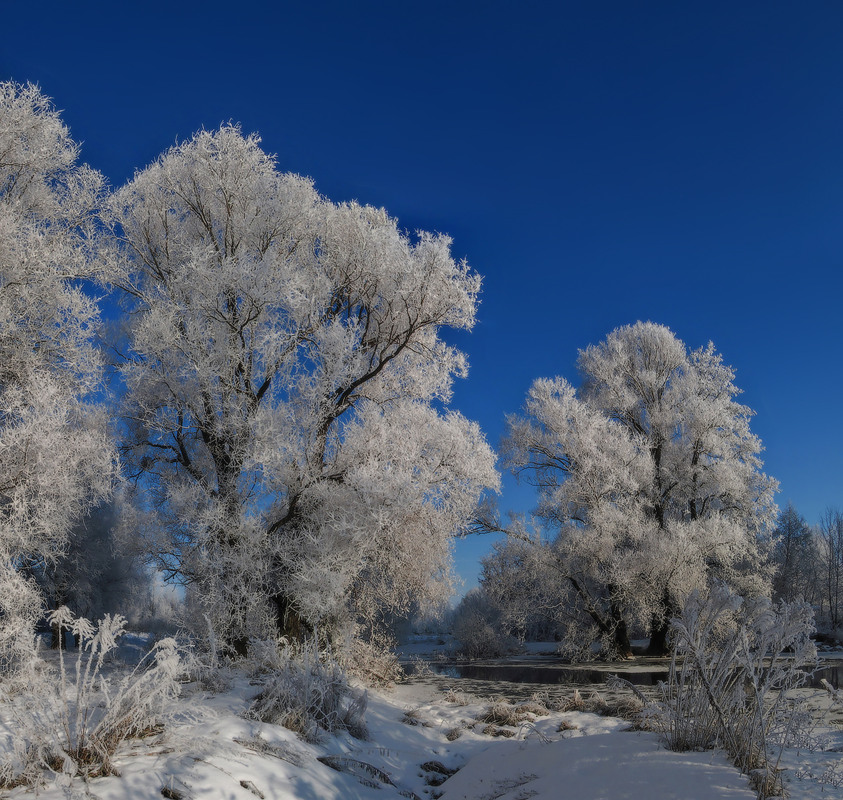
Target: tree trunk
x=660 y=627
x=621 y=640
x=289 y=622
x=620 y=631
x=658 y=639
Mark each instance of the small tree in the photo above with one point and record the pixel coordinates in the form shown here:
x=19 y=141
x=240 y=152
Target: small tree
x=522 y=579
x=794 y=556
x=652 y=476
x=100 y=571
x=830 y=547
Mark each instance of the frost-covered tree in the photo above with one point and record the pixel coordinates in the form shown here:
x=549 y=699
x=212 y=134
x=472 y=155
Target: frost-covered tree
x=829 y=541
x=479 y=628
x=522 y=578
x=285 y=384
x=652 y=475
x=56 y=458
x=795 y=557
x=101 y=569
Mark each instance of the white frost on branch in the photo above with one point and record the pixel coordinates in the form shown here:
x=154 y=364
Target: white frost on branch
x=651 y=474
x=56 y=458
x=285 y=381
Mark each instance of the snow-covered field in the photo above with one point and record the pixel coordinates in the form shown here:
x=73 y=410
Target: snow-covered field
x=418 y=736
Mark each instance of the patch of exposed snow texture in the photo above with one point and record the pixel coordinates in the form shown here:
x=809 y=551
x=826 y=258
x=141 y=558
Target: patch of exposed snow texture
x=417 y=737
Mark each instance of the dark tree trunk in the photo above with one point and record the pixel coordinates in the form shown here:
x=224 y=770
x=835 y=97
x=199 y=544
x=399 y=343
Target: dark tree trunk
x=621 y=637
x=658 y=640
x=620 y=631
x=660 y=627
x=289 y=622
x=612 y=624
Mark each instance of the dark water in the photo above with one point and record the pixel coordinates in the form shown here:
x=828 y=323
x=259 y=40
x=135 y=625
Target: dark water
x=549 y=674
x=528 y=673
x=833 y=674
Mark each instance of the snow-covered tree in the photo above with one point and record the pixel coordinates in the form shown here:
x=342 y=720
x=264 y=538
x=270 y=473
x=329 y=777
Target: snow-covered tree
x=522 y=578
x=652 y=475
x=101 y=569
x=56 y=458
x=829 y=542
x=795 y=558
x=285 y=382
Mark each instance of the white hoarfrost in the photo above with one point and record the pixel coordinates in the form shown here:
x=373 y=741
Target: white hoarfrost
x=422 y=743
x=56 y=458
x=285 y=387
x=651 y=474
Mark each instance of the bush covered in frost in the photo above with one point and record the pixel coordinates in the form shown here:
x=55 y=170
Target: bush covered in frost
x=307 y=692
x=477 y=626
x=19 y=608
x=735 y=662
x=372 y=661
x=70 y=724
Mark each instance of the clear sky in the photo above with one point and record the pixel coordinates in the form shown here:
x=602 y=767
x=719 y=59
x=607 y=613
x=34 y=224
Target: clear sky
x=598 y=162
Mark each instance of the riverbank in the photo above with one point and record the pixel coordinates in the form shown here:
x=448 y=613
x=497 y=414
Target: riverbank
x=421 y=744
x=433 y=736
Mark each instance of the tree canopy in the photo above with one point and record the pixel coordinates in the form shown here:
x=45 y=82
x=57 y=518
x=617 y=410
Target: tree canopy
x=287 y=388
x=652 y=476
x=57 y=457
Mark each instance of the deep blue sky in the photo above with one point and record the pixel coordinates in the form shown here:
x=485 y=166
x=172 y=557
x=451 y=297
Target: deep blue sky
x=598 y=162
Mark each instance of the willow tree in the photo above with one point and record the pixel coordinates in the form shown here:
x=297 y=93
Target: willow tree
x=286 y=389
x=652 y=476
x=56 y=457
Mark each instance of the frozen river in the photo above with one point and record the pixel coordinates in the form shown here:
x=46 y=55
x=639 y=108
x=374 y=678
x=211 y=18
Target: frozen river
x=521 y=676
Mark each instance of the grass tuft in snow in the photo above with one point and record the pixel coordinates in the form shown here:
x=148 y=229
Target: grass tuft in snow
x=71 y=724
x=458 y=698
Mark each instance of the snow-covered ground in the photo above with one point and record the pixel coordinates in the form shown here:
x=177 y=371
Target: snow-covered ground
x=418 y=735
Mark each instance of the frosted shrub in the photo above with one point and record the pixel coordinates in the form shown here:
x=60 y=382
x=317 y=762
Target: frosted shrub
x=203 y=663
x=309 y=694
x=19 y=607
x=836 y=695
x=72 y=723
x=372 y=660
x=477 y=627
x=734 y=664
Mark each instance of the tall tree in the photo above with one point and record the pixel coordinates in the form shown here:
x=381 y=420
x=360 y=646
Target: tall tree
x=794 y=557
x=56 y=458
x=830 y=547
x=285 y=379
x=652 y=475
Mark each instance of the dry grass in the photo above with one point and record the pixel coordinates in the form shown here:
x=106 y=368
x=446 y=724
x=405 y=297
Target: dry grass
x=413 y=717
x=504 y=714
x=452 y=734
x=534 y=707
x=458 y=698
x=623 y=706
x=72 y=722
x=309 y=694
x=494 y=730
